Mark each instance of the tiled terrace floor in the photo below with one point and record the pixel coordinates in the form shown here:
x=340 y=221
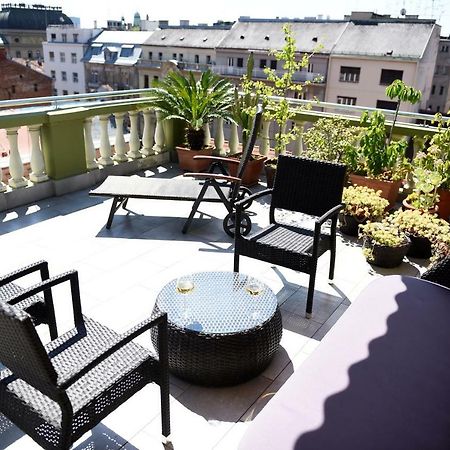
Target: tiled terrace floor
x=121 y=272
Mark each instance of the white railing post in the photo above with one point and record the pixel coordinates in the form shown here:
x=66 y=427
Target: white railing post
x=207 y=138
x=219 y=138
x=299 y=141
x=89 y=147
x=233 y=143
x=17 y=179
x=105 y=146
x=149 y=131
x=119 y=140
x=37 y=163
x=264 y=146
x=283 y=131
x=159 y=135
x=135 y=143
x=2 y=185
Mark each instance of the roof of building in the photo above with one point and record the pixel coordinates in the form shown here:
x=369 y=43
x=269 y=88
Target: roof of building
x=123 y=37
x=266 y=35
x=394 y=39
x=187 y=37
x=37 y=66
x=119 y=55
x=31 y=18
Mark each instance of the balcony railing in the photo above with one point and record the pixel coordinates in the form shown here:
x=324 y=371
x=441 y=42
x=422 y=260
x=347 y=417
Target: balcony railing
x=55 y=142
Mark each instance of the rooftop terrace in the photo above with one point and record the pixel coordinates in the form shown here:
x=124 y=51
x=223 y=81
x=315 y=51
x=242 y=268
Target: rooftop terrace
x=130 y=264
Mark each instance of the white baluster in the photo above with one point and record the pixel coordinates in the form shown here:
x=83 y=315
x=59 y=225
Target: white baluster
x=264 y=146
x=299 y=141
x=149 y=132
x=233 y=143
x=17 y=179
x=159 y=135
x=207 y=138
x=89 y=147
x=2 y=185
x=283 y=131
x=37 y=174
x=135 y=142
x=219 y=137
x=105 y=145
x=119 y=140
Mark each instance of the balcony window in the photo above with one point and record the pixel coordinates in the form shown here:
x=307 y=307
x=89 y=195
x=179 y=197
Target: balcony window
x=75 y=37
x=349 y=74
x=388 y=76
x=262 y=63
x=75 y=77
x=180 y=57
x=385 y=104
x=64 y=37
x=18 y=54
x=51 y=55
x=62 y=57
x=53 y=74
x=230 y=62
x=433 y=89
x=174 y=56
x=74 y=58
x=196 y=59
x=53 y=37
x=310 y=67
x=30 y=54
x=146 y=81
x=94 y=76
x=273 y=64
x=160 y=56
x=65 y=92
x=346 y=100
x=240 y=62
x=208 y=59
x=150 y=55
x=64 y=76
x=444 y=49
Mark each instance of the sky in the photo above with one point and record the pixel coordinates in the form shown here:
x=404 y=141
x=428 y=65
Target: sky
x=211 y=11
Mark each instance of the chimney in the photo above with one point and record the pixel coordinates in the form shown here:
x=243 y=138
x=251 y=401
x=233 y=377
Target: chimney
x=95 y=24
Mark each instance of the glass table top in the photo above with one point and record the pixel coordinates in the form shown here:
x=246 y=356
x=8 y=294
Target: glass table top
x=217 y=302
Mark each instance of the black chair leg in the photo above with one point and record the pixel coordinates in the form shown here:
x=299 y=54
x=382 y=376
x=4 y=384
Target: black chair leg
x=236 y=261
x=310 y=296
x=332 y=261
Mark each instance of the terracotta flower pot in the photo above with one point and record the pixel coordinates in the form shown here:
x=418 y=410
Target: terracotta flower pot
x=389 y=189
x=252 y=170
x=444 y=204
x=384 y=256
x=187 y=162
x=271 y=171
x=407 y=205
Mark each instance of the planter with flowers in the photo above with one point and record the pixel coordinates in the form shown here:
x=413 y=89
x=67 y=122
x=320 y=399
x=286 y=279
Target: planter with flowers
x=361 y=204
x=384 y=245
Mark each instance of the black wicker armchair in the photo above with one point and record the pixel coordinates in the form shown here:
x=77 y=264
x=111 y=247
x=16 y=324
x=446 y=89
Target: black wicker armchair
x=305 y=186
x=57 y=392
x=40 y=308
x=439 y=272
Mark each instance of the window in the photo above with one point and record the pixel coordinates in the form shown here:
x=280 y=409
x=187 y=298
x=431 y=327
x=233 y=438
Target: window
x=38 y=54
x=273 y=64
x=51 y=56
x=53 y=74
x=96 y=49
x=310 y=67
x=441 y=90
x=437 y=69
x=64 y=37
x=18 y=54
x=208 y=59
x=230 y=62
x=388 y=76
x=13 y=89
x=444 y=48
x=150 y=55
x=74 y=58
x=75 y=77
x=438 y=108
x=64 y=75
x=433 y=89
x=53 y=37
x=65 y=92
x=346 y=100
x=180 y=57
x=160 y=56
x=262 y=63
x=196 y=59
x=30 y=54
x=174 y=56
x=35 y=86
x=240 y=62
x=75 y=37
x=155 y=78
x=94 y=76
x=385 y=104
x=146 y=81
x=126 y=51
x=62 y=57
x=55 y=91
x=16 y=40
x=349 y=74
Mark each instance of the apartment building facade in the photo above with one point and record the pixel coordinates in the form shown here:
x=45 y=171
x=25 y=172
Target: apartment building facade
x=63 y=57
x=439 y=100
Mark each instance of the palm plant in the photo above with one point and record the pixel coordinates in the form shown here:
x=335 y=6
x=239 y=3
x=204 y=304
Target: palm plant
x=193 y=102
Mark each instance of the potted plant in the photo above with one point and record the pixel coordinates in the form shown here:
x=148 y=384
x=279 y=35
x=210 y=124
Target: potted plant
x=379 y=162
x=425 y=193
x=195 y=103
x=361 y=204
x=275 y=96
x=422 y=228
x=243 y=111
x=384 y=244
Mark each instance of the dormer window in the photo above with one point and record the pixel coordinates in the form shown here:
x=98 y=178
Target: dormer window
x=266 y=37
x=182 y=38
x=242 y=36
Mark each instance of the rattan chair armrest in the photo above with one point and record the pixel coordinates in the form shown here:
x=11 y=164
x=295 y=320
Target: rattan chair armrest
x=217 y=159
x=133 y=333
x=45 y=285
x=215 y=176
x=39 y=265
x=329 y=214
x=252 y=197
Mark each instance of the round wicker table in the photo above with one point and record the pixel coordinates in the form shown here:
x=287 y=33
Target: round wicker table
x=219 y=334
